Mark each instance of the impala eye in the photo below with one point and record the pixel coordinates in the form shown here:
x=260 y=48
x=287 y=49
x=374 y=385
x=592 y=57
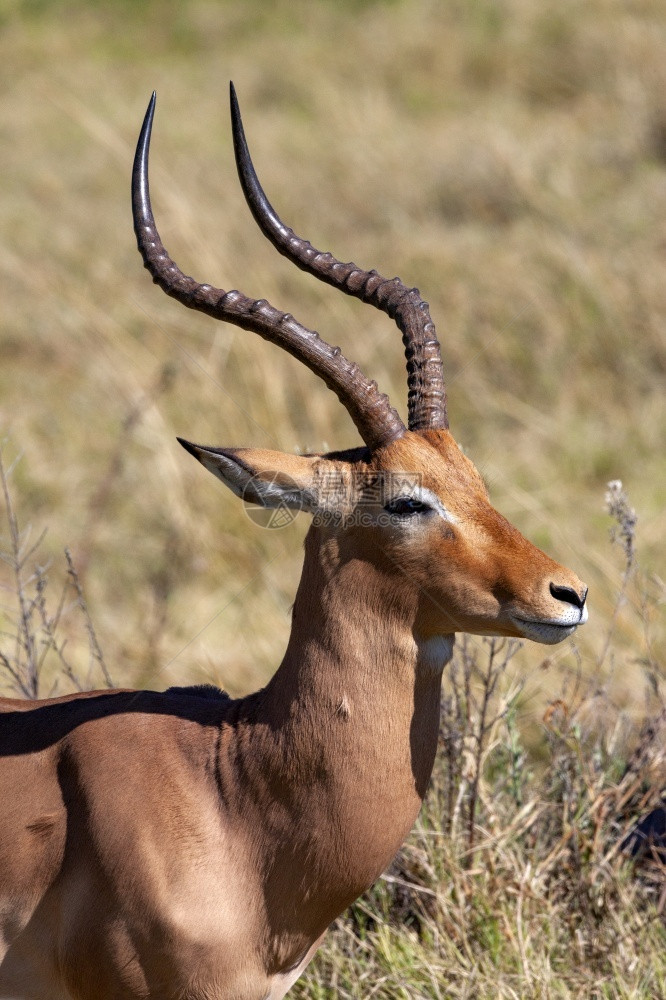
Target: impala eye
x=406 y=506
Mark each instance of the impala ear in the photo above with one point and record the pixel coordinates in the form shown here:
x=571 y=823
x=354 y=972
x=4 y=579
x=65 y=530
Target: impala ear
x=263 y=477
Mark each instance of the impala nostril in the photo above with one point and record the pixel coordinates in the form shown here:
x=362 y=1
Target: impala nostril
x=568 y=595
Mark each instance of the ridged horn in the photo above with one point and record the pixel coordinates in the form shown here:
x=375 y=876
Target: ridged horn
x=425 y=374
x=376 y=420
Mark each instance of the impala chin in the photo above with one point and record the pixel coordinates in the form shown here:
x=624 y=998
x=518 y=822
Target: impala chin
x=550 y=631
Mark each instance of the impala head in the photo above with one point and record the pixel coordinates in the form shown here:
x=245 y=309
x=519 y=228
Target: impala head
x=408 y=502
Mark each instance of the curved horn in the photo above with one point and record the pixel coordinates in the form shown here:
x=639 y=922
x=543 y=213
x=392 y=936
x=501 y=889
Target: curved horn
x=376 y=420
x=425 y=375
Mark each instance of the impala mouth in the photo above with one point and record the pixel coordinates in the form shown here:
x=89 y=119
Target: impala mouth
x=548 y=631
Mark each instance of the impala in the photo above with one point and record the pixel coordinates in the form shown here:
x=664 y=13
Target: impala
x=186 y=845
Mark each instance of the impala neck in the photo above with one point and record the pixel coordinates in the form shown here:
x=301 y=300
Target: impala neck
x=355 y=663
x=346 y=731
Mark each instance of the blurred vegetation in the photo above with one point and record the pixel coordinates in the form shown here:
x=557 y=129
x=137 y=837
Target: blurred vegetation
x=506 y=156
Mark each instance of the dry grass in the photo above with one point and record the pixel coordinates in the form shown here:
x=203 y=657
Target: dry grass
x=507 y=157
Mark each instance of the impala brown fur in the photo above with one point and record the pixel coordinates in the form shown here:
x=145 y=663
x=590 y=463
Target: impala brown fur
x=186 y=846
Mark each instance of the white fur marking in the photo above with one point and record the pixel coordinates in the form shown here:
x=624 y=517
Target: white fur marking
x=434 y=654
x=431 y=499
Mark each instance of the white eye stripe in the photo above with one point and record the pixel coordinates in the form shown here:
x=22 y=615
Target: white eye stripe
x=430 y=499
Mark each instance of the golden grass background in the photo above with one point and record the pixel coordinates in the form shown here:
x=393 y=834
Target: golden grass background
x=509 y=158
